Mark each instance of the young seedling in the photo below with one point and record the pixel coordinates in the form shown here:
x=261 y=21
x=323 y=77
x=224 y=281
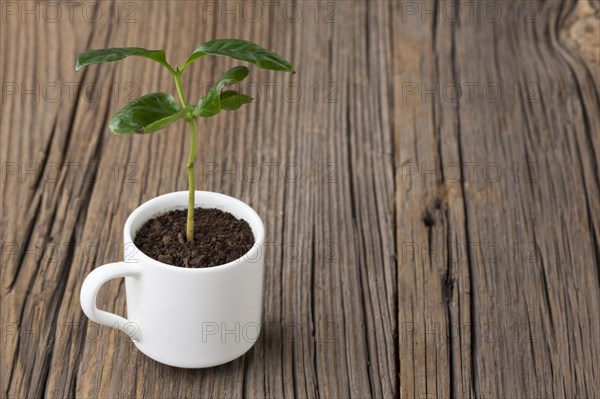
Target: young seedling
x=155 y=111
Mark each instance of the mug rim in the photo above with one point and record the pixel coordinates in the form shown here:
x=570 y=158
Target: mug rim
x=256 y=224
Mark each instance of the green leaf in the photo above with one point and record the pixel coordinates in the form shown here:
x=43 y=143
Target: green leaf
x=232 y=100
x=234 y=75
x=147 y=114
x=210 y=105
x=164 y=122
x=241 y=50
x=90 y=57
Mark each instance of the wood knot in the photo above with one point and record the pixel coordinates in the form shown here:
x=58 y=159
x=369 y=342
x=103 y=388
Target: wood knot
x=447 y=286
x=427 y=218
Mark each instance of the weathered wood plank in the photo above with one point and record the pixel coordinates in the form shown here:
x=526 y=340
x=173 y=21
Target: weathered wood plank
x=433 y=271
x=330 y=285
x=386 y=274
x=518 y=305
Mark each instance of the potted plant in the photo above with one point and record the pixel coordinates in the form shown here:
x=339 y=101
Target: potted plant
x=193 y=264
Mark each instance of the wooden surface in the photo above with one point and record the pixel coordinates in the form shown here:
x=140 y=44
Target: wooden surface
x=433 y=245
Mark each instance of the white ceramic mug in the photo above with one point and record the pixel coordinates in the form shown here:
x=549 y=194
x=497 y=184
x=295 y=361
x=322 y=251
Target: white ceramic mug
x=185 y=317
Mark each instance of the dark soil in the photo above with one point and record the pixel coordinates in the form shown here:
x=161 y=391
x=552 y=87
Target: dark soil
x=219 y=238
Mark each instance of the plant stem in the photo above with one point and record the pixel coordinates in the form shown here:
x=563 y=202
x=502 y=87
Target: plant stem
x=191 y=159
x=177 y=76
x=192 y=192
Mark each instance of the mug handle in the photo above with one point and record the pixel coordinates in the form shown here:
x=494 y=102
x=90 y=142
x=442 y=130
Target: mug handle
x=89 y=291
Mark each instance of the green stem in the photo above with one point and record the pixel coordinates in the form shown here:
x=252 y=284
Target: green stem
x=177 y=76
x=191 y=160
x=192 y=192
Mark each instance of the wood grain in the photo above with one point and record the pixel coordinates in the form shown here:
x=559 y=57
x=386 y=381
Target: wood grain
x=506 y=264
x=420 y=242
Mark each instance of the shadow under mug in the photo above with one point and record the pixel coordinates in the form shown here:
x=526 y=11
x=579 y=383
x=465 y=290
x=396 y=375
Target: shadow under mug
x=185 y=317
